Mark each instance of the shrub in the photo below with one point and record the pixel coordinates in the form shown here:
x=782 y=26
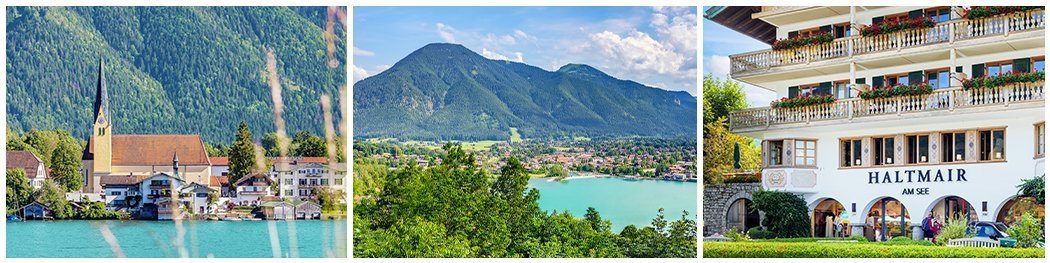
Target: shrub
x=1002 y=80
x=903 y=240
x=786 y=214
x=954 y=228
x=896 y=25
x=858 y=238
x=799 y=41
x=756 y=233
x=736 y=235
x=857 y=250
x=1028 y=231
x=975 y=12
x=807 y=100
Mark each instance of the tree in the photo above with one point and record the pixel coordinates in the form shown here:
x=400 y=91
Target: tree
x=596 y=221
x=18 y=189
x=721 y=96
x=787 y=215
x=1034 y=188
x=65 y=165
x=718 y=152
x=242 y=154
x=215 y=151
x=271 y=144
x=309 y=145
x=54 y=197
x=329 y=198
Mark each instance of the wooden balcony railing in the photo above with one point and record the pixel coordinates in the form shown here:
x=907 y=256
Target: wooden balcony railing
x=949 y=31
x=942 y=99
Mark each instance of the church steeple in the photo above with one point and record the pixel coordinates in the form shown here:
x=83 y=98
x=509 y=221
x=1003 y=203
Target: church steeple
x=101 y=95
x=175 y=163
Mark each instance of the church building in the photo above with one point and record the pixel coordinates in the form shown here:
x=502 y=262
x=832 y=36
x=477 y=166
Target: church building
x=110 y=154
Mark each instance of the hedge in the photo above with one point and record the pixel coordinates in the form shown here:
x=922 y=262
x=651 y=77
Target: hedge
x=857 y=250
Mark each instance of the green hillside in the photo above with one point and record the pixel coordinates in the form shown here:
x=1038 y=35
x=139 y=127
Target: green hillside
x=170 y=69
x=446 y=91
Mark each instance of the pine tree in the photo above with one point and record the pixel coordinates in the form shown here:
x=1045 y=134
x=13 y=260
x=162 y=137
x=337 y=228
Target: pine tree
x=242 y=154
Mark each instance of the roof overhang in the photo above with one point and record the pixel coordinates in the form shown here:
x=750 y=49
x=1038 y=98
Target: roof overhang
x=739 y=19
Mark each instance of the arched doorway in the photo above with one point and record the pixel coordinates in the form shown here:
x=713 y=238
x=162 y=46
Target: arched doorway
x=1014 y=208
x=952 y=206
x=741 y=215
x=887 y=218
x=826 y=214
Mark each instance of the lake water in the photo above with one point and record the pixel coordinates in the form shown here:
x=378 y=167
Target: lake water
x=620 y=201
x=220 y=239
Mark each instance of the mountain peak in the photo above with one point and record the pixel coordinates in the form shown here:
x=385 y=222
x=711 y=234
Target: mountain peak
x=581 y=69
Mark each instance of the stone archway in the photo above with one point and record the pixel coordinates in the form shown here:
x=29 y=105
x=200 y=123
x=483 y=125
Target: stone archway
x=741 y=215
x=825 y=213
x=718 y=198
x=1011 y=210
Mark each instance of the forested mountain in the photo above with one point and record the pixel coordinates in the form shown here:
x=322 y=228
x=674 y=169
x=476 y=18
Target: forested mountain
x=446 y=91
x=180 y=70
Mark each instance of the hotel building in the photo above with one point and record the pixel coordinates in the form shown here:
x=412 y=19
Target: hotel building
x=883 y=164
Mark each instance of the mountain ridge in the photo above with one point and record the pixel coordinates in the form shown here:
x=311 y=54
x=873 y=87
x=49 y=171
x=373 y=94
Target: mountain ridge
x=447 y=91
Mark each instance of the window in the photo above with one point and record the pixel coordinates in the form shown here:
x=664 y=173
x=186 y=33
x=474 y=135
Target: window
x=289 y=192
x=883 y=151
x=1039 y=64
x=808 y=90
x=851 y=155
x=202 y=195
x=289 y=181
x=338 y=181
x=939 y=14
x=805 y=153
x=842 y=90
x=953 y=147
x=999 y=68
x=302 y=181
x=992 y=144
x=1040 y=143
x=938 y=78
x=775 y=153
x=324 y=181
x=114 y=193
x=918 y=148
x=313 y=181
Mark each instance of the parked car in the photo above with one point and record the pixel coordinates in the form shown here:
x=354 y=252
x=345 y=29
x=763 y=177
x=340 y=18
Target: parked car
x=991 y=230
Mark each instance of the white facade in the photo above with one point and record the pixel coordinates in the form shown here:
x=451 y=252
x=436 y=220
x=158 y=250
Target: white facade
x=984 y=187
x=300 y=180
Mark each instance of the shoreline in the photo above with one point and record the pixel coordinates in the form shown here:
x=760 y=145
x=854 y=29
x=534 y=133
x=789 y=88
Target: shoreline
x=586 y=175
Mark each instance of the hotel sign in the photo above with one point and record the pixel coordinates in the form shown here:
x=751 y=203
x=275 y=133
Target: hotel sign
x=917 y=176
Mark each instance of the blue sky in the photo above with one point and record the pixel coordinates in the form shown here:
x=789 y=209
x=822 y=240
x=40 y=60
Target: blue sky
x=653 y=46
x=719 y=43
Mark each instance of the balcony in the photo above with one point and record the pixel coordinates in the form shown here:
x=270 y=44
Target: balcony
x=840 y=50
x=950 y=99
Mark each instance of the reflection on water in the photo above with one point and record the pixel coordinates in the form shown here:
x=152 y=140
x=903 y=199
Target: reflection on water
x=220 y=239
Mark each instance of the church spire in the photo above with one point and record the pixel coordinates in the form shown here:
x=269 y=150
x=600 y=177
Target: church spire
x=101 y=94
x=175 y=163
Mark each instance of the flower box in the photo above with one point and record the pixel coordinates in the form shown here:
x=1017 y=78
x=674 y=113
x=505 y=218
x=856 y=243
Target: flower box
x=895 y=91
x=976 y=12
x=1002 y=80
x=808 y=100
x=896 y=25
x=797 y=42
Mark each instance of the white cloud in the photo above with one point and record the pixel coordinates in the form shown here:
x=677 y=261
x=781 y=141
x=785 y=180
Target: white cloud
x=359 y=73
x=518 y=56
x=362 y=52
x=717 y=65
x=381 y=68
x=638 y=51
x=447 y=33
x=524 y=36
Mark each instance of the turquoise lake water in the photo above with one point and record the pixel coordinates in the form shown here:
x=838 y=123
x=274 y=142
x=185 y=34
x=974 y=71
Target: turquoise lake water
x=220 y=239
x=620 y=201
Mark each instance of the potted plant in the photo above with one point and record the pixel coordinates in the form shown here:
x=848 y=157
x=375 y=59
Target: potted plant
x=1002 y=80
x=800 y=41
x=976 y=12
x=896 y=25
x=898 y=90
x=801 y=101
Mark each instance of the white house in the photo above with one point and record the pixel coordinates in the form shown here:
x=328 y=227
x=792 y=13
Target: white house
x=250 y=189
x=893 y=160
x=299 y=177
x=195 y=196
x=161 y=196
x=31 y=164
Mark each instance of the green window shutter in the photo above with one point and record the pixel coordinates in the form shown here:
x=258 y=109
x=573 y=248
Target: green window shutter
x=914 y=77
x=977 y=70
x=792 y=92
x=824 y=89
x=958 y=69
x=915 y=13
x=792 y=34
x=876 y=82
x=860 y=81
x=1022 y=65
x=877 y=19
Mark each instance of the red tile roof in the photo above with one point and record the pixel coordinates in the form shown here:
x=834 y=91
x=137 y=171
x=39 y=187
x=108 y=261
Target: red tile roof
x=25 y=160
x=157 y=149
x=217 y=181
x=219 y=161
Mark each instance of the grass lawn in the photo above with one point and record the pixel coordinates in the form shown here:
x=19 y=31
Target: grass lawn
x=796 y=249
x=514 y=135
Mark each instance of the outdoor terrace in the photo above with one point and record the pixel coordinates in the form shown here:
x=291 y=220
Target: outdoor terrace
x=958 y=32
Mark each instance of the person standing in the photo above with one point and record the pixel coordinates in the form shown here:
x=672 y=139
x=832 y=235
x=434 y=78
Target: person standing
x=927 y=227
